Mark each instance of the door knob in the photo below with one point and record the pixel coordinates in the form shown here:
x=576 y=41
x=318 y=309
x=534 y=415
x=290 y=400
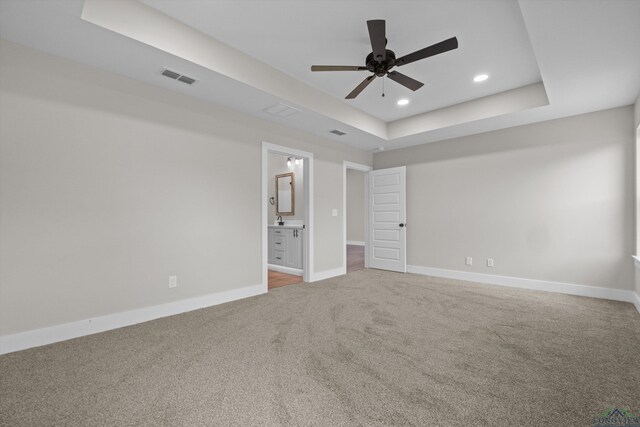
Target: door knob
x=403 y=225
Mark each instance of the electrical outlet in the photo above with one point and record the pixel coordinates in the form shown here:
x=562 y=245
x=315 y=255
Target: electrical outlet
x=334 y=212
x=489 y=262
x=469 y=261
x=173 y=281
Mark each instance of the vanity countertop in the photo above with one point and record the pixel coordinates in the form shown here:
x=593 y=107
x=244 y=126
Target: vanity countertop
x=287 y=226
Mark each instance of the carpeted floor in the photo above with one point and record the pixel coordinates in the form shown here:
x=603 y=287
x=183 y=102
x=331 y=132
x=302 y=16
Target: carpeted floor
x=370 y=348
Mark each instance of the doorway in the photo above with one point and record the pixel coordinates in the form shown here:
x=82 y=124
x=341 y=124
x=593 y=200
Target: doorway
x=355 y=202
x=287 y=216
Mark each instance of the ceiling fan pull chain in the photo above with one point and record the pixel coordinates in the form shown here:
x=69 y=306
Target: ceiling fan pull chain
x=383 y=87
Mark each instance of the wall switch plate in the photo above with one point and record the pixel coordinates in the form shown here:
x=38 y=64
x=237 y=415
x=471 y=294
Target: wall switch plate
x=334 y=212
x=489 y=262
x=469 y=261
x=173 y=281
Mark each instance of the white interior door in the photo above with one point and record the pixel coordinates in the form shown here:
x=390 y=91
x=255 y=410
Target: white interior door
x=387 y=219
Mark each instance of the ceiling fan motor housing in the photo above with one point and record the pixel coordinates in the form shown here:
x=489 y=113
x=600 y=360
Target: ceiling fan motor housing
x=380 y=68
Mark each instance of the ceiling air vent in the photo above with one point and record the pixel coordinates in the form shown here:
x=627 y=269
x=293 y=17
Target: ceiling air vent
x=337 y=132
x=170 y=74
x=177 y=76
x=281 y=110
x=187 y=80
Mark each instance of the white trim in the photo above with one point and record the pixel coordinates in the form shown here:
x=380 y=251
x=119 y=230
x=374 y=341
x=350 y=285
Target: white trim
x=66 y=331
x=366 y=169
x=636 y=300
x=308 y=197
x=327 y=274
x=538 y=285
x=284 y=269
x=636 y=261
x=355 y=243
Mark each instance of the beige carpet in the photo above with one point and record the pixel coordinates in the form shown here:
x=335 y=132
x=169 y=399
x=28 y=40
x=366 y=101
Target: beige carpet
x=370 y=348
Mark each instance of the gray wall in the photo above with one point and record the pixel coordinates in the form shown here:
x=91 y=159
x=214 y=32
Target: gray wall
x=549 y=201
x=277 y=164
x=109 y=185
x=355 y=205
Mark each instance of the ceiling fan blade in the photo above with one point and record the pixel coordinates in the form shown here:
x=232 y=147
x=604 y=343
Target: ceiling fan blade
x=337 y=68
x=405 y=81
x=377 y=34
x=360 y=87
x=443 y=46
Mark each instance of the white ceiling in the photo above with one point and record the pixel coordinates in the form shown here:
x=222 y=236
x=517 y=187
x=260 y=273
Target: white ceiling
x=292 y=35
x=585 y=53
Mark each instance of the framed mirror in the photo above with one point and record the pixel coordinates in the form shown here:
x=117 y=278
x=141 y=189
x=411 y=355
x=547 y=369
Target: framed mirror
x=285 y=190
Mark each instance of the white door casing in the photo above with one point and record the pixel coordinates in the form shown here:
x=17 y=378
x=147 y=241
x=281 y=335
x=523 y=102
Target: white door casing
x=308 y=241
x=387 y=219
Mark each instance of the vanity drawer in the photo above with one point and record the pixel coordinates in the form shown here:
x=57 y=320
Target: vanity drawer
x=278 y=257
x=277 y=232
x=279 y=243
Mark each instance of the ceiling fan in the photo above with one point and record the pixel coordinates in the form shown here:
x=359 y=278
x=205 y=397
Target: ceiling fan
x=382 y=60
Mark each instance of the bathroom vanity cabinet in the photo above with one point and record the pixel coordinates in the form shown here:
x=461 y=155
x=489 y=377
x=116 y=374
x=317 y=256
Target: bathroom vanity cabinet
x=285 y=246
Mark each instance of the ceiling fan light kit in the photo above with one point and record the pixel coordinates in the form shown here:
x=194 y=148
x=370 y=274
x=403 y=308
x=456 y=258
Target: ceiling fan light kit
x=381 y=60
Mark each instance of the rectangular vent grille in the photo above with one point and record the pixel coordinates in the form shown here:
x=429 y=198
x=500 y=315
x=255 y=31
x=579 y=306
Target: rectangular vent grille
x=170 y=74
x=281 y=110
x=177 y=76
x=337 y=132
x=187 y=80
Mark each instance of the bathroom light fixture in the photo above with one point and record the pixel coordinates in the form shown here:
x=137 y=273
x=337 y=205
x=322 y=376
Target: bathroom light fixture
x=403 y=101
x=480 y=78
x=292 y=160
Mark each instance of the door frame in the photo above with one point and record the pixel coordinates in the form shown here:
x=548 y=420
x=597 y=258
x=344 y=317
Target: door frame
x=361 y=168
x=307 y=258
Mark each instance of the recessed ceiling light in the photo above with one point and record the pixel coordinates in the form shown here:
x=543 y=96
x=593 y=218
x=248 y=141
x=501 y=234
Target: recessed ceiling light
x=480 y=78
x=403 y=101
x=381 y=149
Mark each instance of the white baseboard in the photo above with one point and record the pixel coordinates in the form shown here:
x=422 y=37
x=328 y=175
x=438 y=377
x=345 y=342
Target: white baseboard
x=283 y=269
x=66 y=331
x=636 y=301
x=327 y=274
x=538 y=285
x=355 y=242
